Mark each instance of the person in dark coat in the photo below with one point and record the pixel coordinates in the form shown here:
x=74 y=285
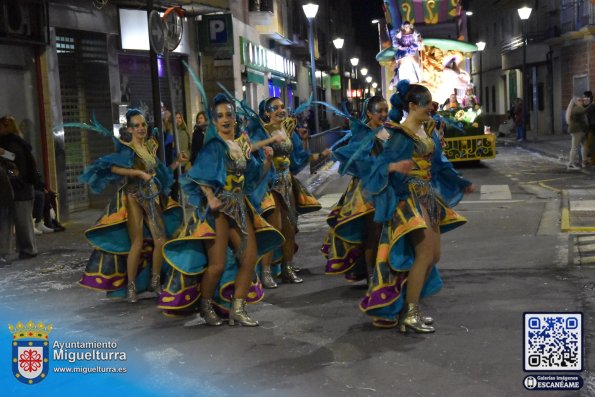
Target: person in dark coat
x=24 y=177
x=6 y=202
x=198 y=135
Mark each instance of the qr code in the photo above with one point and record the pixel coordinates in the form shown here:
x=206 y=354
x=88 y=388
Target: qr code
x=553 y=341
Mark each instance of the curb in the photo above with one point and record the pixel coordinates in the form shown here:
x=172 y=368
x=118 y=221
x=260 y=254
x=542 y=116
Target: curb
x=565 y=224
x=527 y=146
x=317 y=181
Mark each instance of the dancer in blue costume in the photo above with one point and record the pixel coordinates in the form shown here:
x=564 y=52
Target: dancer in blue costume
x=352 y=241
x=286 y=198
x=218 y=184
x=139 y=203
x=413 y=187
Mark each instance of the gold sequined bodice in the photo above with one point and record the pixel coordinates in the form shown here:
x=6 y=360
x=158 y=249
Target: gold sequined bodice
x=282 y=150
x=237 y=161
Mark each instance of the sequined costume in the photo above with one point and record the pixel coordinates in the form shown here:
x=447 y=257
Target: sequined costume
x=289 y=158
x=233 y=174
x=106 y=268
x=345 y=242
x=406 y=44
x=398 y=199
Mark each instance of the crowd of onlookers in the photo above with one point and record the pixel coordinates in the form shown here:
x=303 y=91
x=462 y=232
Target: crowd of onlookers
x=27 y=205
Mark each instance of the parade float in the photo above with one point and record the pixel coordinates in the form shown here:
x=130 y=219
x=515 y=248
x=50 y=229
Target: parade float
x=424 y=41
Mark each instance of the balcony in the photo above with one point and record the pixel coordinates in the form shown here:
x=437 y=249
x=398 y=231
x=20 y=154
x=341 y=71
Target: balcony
x=266 y=18
x=537 y=49
x=576 y=15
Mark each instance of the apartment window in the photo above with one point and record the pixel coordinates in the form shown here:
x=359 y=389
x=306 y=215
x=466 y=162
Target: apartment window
x=261 y=5
x=487 y=99
x=493 y=99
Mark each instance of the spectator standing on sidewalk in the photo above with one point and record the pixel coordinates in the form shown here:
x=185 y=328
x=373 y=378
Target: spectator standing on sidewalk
x=22 y=182
x=519 y=120
x=590 y=112
x=6 y=203
x=183 y=136
x=577 y=128
x=198 y=135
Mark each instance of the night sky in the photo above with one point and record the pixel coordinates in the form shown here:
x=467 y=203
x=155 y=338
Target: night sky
x=366 y=33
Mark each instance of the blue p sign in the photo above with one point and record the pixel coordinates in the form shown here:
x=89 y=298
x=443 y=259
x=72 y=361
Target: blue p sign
x=217 y=31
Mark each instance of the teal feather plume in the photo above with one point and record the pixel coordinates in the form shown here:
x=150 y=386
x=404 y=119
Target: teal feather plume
x=333 y=109
x=244 y=109
x=304 y=106
x=94 y=126
x=197 y=83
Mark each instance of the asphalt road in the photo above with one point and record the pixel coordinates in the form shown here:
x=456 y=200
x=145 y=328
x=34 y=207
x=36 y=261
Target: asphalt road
x=511 y=258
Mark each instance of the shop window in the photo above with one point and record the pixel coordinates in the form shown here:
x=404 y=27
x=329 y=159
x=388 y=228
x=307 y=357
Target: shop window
x=274 y=90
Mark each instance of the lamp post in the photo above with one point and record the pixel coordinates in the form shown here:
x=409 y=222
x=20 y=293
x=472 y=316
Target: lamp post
x=481 y=45
x=524 y=14
x=310 y=10
x=369 y=80
x=338 y=43
x=354 y=62
x=364 y=72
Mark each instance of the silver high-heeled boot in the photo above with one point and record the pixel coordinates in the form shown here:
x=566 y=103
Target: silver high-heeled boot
x=288 y=275
x=411 y=319
x=238 y=314
x=156 y=284
x=427 y=319
x=132 y=297
x=205 y=307
x=267 y=278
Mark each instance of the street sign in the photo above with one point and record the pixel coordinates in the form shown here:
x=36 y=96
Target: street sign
x=216 y=34
x=156 y=34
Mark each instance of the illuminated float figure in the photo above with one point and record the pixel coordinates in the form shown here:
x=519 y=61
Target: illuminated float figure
x=406 y=43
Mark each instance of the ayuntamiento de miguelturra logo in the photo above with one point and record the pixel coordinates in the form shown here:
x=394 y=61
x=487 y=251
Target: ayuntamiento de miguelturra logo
x=30 y=351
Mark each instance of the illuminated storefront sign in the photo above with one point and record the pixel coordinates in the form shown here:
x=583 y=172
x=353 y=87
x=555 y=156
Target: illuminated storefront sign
x=260 y=59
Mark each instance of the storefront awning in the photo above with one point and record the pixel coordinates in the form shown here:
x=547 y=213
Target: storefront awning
x=254 y=76
x=277 y=81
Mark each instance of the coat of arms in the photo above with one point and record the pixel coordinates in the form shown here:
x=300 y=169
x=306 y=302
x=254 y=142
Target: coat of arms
x=30 y=351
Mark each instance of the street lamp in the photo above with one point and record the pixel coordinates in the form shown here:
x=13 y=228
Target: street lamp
x=354 y=62
x=310 y=10
x=369 y=80
x=364 y=71
x=524 y=14
x=481 y=45
x=338 y=43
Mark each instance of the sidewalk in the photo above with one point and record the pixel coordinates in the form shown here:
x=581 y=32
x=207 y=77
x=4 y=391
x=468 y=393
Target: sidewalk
x=550 y=145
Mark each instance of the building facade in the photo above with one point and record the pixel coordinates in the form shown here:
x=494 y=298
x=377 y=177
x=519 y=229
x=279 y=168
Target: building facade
x=68 y=61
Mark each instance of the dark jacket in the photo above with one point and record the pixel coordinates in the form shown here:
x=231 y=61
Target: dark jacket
x=6 y=193
x=27 y=177
x=590 y=112
x=198 y=138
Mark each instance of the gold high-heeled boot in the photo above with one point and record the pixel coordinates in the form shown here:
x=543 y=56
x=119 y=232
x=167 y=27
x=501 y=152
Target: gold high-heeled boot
x=288 y=275
x=132 y=297
x=238 y=314
x=156 y=284
x=205 y=307
x=411 y=319
x=267 y=278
